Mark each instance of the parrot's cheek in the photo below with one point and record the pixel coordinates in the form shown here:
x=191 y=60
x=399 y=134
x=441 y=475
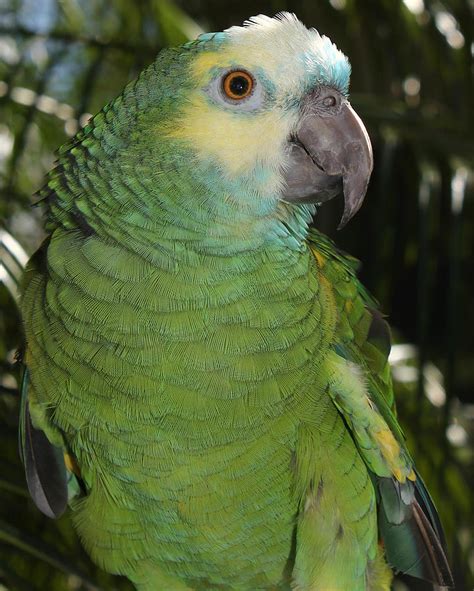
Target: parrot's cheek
x=328 y=153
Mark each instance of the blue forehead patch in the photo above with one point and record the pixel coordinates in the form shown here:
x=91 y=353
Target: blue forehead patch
x=328 y=66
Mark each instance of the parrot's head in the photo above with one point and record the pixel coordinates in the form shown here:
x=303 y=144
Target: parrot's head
x=267 y=103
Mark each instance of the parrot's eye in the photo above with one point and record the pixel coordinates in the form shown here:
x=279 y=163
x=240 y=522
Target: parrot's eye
x=237 y=90
x=237 y=85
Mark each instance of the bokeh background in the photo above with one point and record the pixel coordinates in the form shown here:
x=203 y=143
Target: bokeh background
x=412 y=84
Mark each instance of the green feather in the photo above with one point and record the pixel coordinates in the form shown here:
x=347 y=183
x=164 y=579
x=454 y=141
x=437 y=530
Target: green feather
x=190 y=343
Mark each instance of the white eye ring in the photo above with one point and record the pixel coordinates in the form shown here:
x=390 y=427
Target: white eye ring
x=218 y=86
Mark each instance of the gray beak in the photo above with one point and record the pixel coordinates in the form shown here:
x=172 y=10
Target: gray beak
x=329 y=152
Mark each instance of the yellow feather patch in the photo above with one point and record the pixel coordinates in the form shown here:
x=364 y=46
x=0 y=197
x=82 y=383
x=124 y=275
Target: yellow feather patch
x=71 y=464
x=321 y=261
x=390 y=449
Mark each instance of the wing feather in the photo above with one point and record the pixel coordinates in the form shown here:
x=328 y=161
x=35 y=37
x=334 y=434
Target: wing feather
x=44 y=463
x=408 y=521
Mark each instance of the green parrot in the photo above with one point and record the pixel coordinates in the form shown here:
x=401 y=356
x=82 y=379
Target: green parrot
x=206 y=382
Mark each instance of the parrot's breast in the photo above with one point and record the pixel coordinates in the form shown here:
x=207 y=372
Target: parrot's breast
x=180 y=390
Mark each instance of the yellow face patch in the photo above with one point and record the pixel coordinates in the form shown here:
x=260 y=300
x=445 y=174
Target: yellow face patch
x=238 y=141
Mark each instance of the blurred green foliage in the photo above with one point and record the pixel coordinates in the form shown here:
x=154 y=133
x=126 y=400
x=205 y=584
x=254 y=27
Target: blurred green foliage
x=412 y=83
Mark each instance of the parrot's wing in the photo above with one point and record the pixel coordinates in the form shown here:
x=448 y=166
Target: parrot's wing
x=49 y=481
x=45 y=469
x=408 y=521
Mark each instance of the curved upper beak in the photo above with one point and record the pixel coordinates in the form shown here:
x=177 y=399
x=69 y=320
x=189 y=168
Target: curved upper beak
x=330 y=151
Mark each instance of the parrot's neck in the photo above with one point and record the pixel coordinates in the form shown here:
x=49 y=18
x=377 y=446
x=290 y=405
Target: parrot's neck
x=191 y=219
x=216 y=216
x=231 y=231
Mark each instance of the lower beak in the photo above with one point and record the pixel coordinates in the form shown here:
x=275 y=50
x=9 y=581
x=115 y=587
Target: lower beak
x=329 y=152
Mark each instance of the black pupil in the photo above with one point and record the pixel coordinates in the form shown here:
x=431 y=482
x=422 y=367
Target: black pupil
x=239 y=86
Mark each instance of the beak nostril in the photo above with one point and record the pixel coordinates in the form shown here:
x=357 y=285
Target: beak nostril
x=330 y=101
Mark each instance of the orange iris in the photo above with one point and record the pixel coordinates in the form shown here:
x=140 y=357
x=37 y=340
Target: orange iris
x=238 y=85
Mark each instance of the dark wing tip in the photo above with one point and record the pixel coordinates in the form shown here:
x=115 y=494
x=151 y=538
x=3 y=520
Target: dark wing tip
x=44 y=469
x=412 y=545
x=434 y=562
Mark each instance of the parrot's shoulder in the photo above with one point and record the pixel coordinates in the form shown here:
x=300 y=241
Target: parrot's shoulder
x=361 y=348
x=362 y=333
x=361 y=344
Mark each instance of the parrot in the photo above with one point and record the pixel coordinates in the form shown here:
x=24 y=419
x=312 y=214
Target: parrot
x=206 y=382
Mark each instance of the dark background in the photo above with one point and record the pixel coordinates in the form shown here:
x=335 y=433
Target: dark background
x=412 y=84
